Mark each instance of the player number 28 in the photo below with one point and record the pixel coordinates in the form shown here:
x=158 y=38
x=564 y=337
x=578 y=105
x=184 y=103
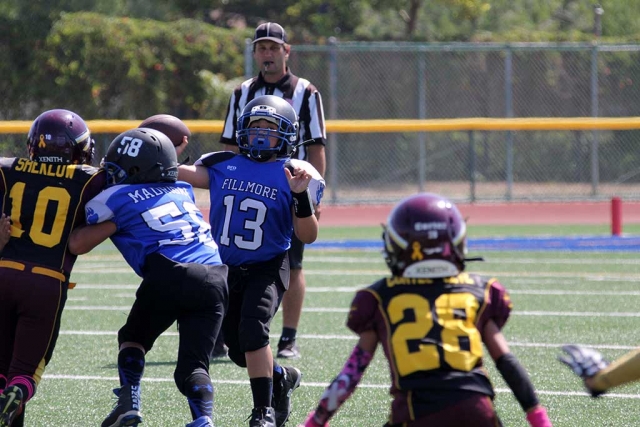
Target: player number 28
x=453 y=329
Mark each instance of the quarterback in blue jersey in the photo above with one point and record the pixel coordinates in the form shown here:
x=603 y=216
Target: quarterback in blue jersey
x=259 y=198
x=153 y=221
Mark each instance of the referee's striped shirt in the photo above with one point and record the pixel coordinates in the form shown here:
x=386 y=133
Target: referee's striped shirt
x=299 y=92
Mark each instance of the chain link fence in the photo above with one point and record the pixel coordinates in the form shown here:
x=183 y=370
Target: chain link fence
x=389 y=81
x=433 y=81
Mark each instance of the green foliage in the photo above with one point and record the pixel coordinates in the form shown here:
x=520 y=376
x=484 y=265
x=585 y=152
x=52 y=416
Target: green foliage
x=112 y=67
x=129 y=59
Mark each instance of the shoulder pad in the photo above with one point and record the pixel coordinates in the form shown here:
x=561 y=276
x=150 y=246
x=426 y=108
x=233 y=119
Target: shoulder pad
x=211 y=159
x=7 y=161
x=363 y=309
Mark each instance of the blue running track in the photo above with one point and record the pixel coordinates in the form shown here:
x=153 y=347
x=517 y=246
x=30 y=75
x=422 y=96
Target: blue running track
x=568 y=243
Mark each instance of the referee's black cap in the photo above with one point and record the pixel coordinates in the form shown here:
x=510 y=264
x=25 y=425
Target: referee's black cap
x=270 y=31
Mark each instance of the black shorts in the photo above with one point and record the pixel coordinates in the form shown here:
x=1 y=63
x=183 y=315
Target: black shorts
x=255 y=293
x=194 y=295
x=295 y=253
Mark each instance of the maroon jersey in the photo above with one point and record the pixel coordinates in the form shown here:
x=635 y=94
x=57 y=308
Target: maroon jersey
x=45 y=202
x=430 y=332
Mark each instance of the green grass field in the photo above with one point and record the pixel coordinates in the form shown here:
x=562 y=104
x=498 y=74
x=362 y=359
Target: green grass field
x=559 y=297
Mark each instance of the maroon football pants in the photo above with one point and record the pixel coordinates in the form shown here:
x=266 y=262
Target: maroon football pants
x=30 y=309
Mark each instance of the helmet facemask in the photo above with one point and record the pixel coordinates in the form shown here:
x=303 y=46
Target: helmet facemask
x=255 y=142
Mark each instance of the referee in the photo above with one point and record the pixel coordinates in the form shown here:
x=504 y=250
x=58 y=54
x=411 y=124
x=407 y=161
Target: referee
x=271 y=52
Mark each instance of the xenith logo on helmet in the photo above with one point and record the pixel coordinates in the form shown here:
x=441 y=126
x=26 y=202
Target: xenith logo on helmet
x=50 y=159
x=425 y=226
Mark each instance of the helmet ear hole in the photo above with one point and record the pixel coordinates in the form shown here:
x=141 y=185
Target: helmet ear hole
x=133 y=170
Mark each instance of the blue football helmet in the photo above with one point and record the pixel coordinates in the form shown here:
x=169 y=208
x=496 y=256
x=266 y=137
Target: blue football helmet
x=254 y=142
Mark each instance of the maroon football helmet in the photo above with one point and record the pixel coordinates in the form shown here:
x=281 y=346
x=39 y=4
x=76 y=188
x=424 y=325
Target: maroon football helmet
x=425 y=237
x=60 y=136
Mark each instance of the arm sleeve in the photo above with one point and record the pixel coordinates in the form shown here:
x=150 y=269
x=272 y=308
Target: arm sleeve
x=518 y=381
x=343 y=385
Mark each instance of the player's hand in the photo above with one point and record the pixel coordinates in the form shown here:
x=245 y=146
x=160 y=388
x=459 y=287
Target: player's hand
x=584 y=362
x=5 y=230
x=298 y=180
x=180 y=148
x=311 y=422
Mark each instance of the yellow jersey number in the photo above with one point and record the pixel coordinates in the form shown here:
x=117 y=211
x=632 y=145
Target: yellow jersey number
x=427 y=358
x=47 y=195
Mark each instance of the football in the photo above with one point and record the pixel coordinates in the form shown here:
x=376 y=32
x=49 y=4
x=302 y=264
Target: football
x=170 y=125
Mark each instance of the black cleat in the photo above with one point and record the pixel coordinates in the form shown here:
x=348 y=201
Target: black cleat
x=262 y=417
x=282 y=400
x=10 y=401
x=126 y=413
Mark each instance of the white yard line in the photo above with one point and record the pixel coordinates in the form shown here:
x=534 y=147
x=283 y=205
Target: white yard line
x=354 y=338
x=323 y=385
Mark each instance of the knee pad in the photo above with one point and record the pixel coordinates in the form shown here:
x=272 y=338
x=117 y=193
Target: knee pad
x=253 y=334
x=183 y=376
x=237 y=356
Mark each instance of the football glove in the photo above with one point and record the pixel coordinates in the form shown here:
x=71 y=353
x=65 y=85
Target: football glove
x=584 y=362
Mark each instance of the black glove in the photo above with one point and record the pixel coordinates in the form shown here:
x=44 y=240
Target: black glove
x=584 y=362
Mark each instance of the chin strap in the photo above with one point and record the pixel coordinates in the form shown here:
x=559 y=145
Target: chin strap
x=300 y=144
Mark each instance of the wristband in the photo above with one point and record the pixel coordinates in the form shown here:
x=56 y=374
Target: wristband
x=302 y=205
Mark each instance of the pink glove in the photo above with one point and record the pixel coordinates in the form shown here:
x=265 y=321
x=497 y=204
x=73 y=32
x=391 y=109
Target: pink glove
x=311 y=422
x=539 y=418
